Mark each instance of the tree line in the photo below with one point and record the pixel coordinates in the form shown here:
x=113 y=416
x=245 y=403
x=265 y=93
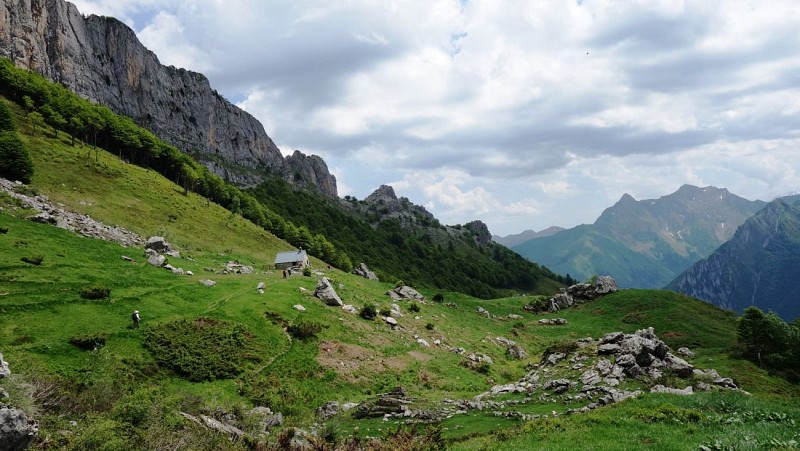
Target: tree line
x=766 y=339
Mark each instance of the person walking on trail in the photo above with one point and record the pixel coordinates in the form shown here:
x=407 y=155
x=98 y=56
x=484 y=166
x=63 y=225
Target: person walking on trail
x=135 y=318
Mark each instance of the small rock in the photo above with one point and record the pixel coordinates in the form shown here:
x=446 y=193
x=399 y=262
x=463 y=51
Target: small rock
x=299 y=307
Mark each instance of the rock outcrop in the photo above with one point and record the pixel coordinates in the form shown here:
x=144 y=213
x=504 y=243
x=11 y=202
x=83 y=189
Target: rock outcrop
x=581 y=292
x=327 y=294
x=102 y=60
x=17 y=431
x=363 y=271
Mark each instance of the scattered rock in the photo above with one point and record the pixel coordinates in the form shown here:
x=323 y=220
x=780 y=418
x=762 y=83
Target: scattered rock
x=17 y=431
x=5 y=371
x=207 y=282
x=328 y=410
x=349 y=308
x=327 y=294
x=581 y=292
x=675 y=391
x=552 y=322
x=390 y=321
x=484 y=312
x=363 y=271
x=405 y=293
x=517 y=352
x=299 y=307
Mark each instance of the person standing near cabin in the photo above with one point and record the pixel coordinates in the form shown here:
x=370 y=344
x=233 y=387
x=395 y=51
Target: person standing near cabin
x=135 y=318
x=284 y=273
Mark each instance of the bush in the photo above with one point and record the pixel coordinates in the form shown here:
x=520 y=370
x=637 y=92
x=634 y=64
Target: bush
x=96 y=292
x=414 y=307
x=201 y=349
x=438 y=297
x=15 y=162
x=368 y=312
x=89 y=342
x=386 y=312
x=304 y=330
x=33 y=260
x=3 y=230
x=307 y=272
x=429 y=326
x=6 y=120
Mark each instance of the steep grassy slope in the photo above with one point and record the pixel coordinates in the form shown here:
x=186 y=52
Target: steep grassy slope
x=122 y=397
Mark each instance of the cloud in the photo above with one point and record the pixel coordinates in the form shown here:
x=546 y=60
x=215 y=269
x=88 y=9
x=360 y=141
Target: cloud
x=524 y=114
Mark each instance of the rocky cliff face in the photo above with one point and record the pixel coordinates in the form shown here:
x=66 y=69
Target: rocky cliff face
x=758 y=266
x=100 y=59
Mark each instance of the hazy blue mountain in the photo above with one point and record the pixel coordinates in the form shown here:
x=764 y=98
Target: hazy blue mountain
x=519 y=238
x=759 y=265
x=645 y=243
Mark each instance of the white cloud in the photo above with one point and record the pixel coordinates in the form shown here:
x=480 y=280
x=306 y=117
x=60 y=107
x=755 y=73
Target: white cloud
x=522 y=114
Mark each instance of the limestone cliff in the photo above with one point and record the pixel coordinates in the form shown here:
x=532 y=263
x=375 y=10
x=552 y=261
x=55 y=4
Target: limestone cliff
x=102 y=60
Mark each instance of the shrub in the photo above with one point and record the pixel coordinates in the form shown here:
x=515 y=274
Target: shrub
x=15 y=162
x=565 y=346
x=399 y=283
x=386 y=312
x=414 y=307
x=96 y=292
x=34 y=259
x=90 y=341
x=438 y=297
x=6 y=120
x=368 y=312
x=429 y=326
x=3 y=230
x=201 y=349
x=304 y=330
x=307 y=272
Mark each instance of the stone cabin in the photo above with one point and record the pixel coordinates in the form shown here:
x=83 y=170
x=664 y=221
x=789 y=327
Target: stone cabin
x=291 y=259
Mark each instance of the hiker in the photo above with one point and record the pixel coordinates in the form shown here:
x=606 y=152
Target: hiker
x=290 y=271
x=135 y=318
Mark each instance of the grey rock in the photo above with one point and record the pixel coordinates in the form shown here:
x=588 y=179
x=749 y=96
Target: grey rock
x=327 y=294
x=516 y=352
x=5 y=371
x=680 y=367
x=299 y=308
x=674 y=391
x=207 y=282
x=406 y=292
x=158 y=244
x=686 y=352
x=363 y=271
x=555 y=357
x=17 y=431
x=349 y=308
x=328 y=410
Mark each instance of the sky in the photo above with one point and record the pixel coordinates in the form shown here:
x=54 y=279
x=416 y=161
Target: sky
x=523 y=114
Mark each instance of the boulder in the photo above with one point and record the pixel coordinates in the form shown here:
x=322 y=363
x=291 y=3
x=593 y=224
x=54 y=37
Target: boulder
x=516 y=352
x=158 y=244
x=207 y=282
x=17 y=431
x=581 y=292
x=4 y=369
x=328 y=410
x=299 y=308
x=327 y=294
x=363 y=271
x=405 y=292
x=349 y=308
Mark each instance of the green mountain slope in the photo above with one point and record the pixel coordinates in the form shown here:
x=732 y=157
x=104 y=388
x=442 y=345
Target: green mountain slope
x=759 y=266
x=645 y=243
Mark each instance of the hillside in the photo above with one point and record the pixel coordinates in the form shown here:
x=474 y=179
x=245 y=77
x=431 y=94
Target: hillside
x=124 y=394
x=646 y=243
x=758 y=266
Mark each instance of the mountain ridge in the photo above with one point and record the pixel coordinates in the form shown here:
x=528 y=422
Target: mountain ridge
x=645 y=244
x=102 y=60
x=758 y=266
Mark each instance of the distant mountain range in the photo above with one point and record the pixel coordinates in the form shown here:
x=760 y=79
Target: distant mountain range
x=645 y=244
x=759 y=265
x=519 y=238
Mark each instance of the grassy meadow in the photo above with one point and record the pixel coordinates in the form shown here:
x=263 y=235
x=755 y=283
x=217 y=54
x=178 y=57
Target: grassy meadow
x=124 y=395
